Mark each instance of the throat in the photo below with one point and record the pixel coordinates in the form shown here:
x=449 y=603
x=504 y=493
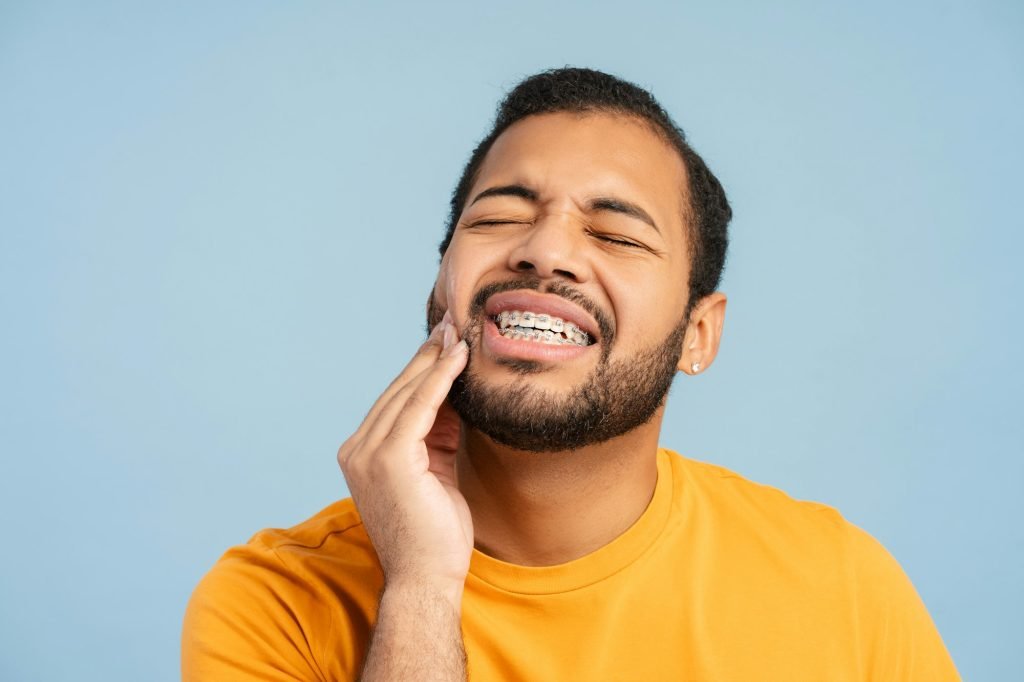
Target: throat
x=544 y=509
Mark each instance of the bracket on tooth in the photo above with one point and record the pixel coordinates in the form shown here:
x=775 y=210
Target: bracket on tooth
x=516 y=324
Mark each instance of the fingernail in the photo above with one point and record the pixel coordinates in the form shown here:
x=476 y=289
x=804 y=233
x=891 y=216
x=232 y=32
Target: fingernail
x=447 y=316
x=449 y=335
x=455 y=349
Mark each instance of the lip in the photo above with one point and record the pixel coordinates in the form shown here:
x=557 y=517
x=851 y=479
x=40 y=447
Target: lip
x=548 y=304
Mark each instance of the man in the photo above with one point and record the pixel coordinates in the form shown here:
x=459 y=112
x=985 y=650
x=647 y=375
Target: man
x=512 y=515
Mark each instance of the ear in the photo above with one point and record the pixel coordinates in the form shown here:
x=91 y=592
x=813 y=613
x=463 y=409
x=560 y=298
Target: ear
x=703 y=334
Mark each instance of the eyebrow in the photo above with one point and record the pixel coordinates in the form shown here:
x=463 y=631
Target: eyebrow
x=623 y=207
x=506 y=191
x=598 y=204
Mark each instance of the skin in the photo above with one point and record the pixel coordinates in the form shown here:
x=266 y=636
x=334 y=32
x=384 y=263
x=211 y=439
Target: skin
x=430 y=491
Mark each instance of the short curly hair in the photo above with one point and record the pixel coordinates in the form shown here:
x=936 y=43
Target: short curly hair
x=578 y=90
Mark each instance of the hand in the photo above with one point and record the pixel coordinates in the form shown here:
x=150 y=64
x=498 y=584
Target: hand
x=400 y=469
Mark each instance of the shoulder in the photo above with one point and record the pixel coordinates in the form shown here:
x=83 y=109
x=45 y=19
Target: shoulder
x=740 y=504
x=327 y=552
x=277 y=601
x=775 y=521
x=809 y=553
x=334 y=533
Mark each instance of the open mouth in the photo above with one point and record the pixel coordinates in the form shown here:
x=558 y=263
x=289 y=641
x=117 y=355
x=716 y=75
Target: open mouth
x=524 y=325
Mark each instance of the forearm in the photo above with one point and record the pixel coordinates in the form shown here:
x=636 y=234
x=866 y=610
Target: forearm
x=418 y=636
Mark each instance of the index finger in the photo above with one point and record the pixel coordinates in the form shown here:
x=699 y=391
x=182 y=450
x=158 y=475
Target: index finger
x=425 y=356
x=414 y=410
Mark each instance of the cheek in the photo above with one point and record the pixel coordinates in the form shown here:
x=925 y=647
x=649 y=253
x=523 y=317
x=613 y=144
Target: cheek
x=642 y=318
x=450 y=291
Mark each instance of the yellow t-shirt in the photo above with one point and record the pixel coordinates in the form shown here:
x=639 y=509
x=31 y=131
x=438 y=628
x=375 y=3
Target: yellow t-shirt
x=719 y=579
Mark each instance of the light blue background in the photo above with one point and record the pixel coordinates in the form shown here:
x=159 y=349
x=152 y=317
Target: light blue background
x=218 y=231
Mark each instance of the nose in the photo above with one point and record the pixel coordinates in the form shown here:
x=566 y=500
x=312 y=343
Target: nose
x=552 y=248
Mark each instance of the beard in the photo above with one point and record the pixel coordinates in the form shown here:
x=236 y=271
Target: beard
x=617 y=397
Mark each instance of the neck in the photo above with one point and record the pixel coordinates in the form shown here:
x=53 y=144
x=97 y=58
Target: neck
x=548 y=508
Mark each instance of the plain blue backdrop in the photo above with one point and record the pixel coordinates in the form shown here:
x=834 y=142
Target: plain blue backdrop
x=218 y=225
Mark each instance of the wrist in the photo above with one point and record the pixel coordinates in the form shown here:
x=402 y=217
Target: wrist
x=423 y=594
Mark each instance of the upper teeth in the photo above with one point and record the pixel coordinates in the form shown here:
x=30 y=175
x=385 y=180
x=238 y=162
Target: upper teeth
x=516 y=324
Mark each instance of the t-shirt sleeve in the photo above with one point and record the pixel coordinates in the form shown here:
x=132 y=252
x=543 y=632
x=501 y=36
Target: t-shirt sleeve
x=242 y=624
x=901 y=643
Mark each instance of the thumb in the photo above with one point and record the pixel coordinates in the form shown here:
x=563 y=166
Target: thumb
x=444 y=434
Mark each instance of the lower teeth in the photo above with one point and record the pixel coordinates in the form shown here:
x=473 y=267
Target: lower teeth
x=541 y=336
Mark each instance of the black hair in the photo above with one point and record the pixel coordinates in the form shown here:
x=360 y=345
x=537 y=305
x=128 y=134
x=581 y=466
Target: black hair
x=577 y=90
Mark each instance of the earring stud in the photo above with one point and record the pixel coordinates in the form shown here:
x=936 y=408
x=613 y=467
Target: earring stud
x=695 y=367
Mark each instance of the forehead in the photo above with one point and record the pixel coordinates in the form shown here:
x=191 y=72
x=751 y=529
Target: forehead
x=577 y=155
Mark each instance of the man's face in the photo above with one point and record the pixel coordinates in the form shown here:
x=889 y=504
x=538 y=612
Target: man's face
x=575 y=222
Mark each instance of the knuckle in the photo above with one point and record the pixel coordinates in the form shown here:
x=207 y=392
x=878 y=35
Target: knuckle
x=348 y=450
x=431 y=345
x=343 y=455
x=355 y=472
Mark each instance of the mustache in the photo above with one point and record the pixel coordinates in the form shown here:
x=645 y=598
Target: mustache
x=605 y=326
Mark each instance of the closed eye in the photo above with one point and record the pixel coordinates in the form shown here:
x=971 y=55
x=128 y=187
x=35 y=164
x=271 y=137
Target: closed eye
x=486 y=223
x=618 y=242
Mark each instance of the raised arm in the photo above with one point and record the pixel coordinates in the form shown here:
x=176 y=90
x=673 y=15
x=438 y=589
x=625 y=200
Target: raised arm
x=400 y=469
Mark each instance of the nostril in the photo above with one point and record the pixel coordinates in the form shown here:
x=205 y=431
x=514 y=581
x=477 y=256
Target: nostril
x=566 y=274
x=527 y=266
